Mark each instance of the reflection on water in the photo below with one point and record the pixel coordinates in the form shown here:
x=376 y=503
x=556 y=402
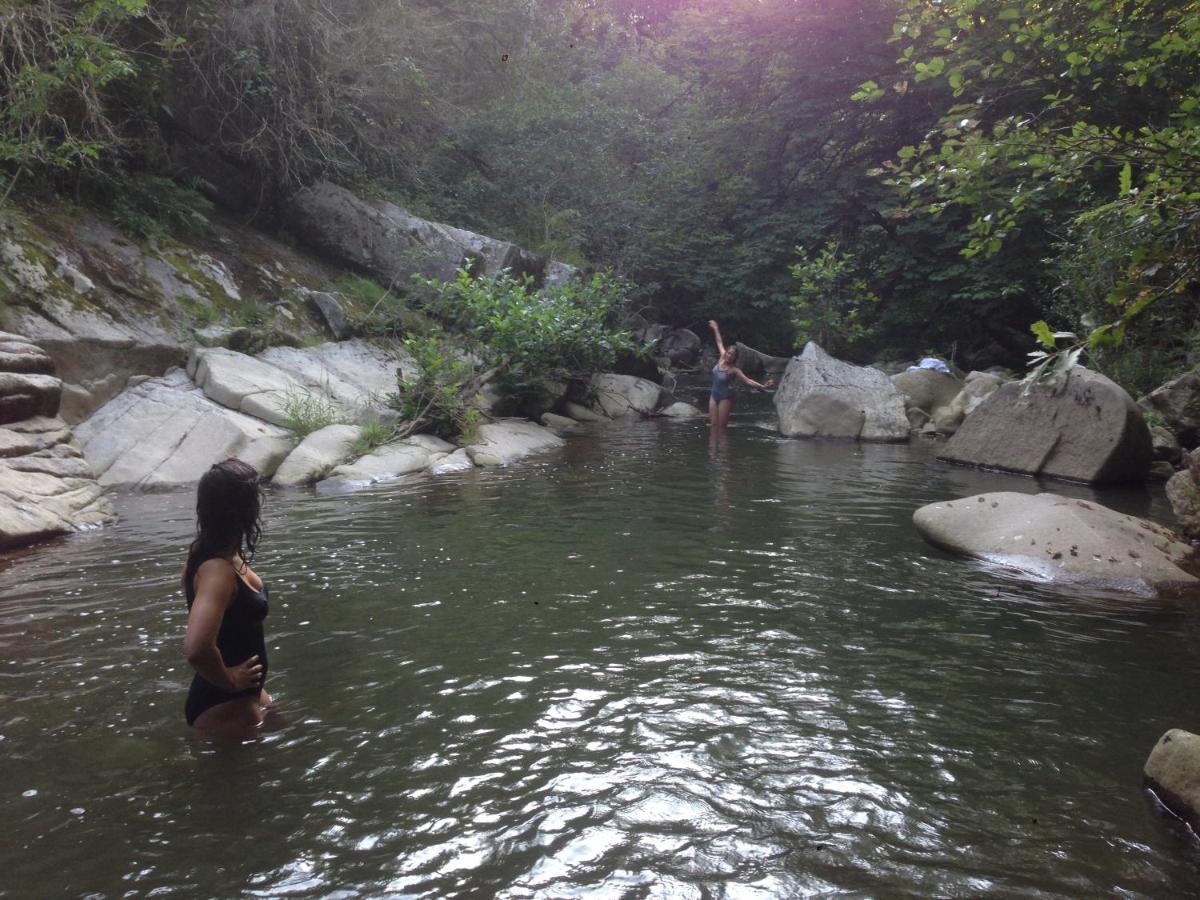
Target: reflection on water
x=664 y=663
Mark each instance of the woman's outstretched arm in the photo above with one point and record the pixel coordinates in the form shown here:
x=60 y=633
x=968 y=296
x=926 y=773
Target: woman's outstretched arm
x=750 y=381
x=712 y=323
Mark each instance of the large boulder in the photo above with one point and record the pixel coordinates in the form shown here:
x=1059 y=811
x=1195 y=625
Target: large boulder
x=317 y=454
x=619 y=395
x=820 y=396
x=1082 y=428
x=164 y=433
x=394 y=245
x=1172 y=772
x=1183 y=490
x=1060 y=539
x=504 y=442
x=1177 y=403
x=46 y=485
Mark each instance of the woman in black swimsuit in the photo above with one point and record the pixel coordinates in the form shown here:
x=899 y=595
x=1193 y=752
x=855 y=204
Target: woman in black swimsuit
x=720 y=397
x=227 y=603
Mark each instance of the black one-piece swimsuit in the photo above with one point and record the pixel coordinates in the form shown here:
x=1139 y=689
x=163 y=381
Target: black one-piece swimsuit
x=239 y=638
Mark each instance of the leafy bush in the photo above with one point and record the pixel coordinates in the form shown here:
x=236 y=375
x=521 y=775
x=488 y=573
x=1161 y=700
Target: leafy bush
x=153 y=207
x=531 y=336
x=832 y=301
x=441 y=398
x=305 y=412
x=252 y=312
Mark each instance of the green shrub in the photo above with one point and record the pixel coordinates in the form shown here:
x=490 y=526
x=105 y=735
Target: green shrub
x=372 y=436
x=305 y=412
x=251 y=313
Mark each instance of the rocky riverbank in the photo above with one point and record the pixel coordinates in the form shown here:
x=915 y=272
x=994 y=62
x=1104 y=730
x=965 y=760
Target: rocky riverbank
x=135 y=365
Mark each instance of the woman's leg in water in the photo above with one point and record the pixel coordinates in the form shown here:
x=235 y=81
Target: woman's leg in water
x=236 y=719
x=724 y=408
x=712 y=411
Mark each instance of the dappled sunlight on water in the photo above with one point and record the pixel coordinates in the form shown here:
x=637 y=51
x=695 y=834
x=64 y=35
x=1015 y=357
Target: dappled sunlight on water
x=655 y=665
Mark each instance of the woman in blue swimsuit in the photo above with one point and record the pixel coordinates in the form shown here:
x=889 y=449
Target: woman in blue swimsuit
x=227 y=603
x=724 y=373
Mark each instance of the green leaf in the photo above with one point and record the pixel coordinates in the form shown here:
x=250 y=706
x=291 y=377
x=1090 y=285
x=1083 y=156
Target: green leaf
x=1126 y=180
x=1044 y=334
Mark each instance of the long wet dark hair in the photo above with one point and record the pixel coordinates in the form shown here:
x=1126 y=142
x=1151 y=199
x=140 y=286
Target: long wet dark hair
x=228 y=515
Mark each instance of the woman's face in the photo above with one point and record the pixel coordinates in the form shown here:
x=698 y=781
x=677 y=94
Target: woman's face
x=730 y=356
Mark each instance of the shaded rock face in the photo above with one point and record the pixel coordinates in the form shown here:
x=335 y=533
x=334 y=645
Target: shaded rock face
x=820 y=396
x=1183 y=490
x=926 y=389
x=976 y=388
x=393 y=245
x=1059 y=539
x=46 y=485
x=1177 y=403
x=1172 y=772
x=1085 y=428
x=680 y=346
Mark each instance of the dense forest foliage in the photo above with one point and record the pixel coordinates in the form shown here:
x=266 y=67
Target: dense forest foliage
x=893 y=177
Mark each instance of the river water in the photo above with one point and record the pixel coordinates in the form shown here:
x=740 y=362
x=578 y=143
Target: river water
x=650 y=665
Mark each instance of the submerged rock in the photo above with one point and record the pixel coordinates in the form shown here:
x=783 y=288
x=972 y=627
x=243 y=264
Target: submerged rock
x=458 y=461
x=820 y=396
x=1172 y=772
x=681 y=410
x=386 y=463
x=1062 y=540
x=1084 y=428
x=504 y=442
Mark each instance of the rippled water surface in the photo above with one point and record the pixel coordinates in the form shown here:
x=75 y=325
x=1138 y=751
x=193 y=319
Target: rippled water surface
x=647 y=666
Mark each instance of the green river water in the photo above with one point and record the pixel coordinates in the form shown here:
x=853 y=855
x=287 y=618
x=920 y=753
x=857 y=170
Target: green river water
x=649 y=665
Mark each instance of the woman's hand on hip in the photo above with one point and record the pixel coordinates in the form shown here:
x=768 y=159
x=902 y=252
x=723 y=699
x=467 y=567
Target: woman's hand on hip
x=246 y=675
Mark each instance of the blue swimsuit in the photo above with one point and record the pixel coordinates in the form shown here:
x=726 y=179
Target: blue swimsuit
x=722 y=384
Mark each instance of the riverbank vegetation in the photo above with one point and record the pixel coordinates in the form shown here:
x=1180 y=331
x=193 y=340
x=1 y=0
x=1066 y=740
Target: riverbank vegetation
x=893 y=176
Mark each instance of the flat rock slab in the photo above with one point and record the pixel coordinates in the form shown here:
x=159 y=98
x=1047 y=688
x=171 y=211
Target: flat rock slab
x=1172 y=771
x=244 y=383
x=1062 y=540
x=46 y=486
x=354 y=374
x=820 y=396
x=504 y=442
x=1085 y=428
x=165 y=433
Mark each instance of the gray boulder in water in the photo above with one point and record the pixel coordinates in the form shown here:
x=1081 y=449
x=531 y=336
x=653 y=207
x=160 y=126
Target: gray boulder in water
x=1084 y=428
x=1063 y=540
x=1172 y=772
x=820 y=396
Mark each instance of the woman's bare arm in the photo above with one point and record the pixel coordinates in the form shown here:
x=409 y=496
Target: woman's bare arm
x=215 y=587
x=716 y=330
x=750 y=381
